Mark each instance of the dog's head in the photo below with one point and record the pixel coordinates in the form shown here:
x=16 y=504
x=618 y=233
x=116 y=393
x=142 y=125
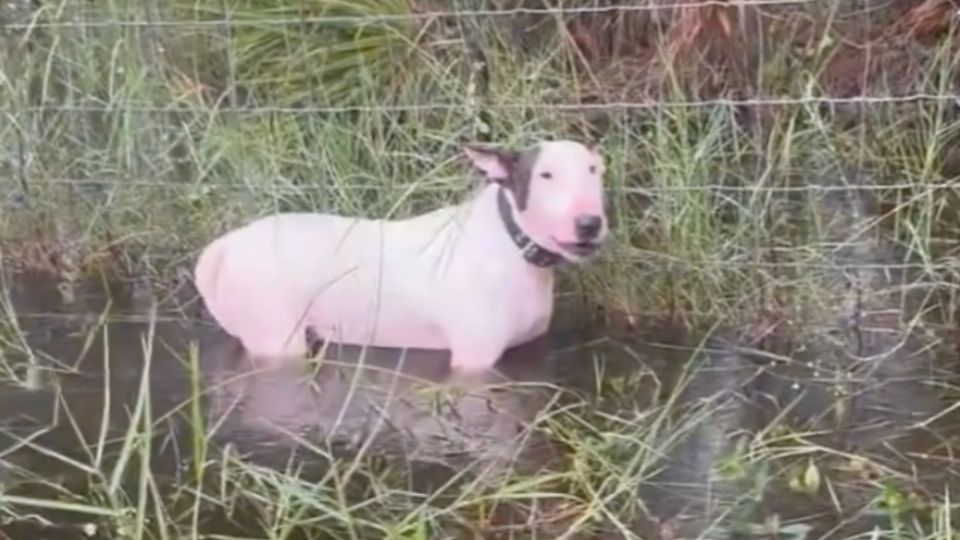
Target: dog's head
x=557 y=192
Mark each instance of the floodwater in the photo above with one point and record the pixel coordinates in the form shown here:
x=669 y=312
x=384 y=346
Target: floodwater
x=863 y=395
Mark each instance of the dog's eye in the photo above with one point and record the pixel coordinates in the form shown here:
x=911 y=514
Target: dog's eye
x=546 y=175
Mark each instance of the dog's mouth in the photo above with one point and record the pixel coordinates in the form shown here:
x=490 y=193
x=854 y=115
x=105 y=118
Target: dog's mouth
x=580 y=249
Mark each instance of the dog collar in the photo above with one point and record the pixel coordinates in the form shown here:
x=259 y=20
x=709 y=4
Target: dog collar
x=532 y=253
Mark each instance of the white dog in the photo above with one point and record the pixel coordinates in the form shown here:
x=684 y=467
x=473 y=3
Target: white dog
x=475 y=278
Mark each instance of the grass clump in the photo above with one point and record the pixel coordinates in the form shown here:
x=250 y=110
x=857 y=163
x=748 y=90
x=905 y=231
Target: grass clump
x=315 y=53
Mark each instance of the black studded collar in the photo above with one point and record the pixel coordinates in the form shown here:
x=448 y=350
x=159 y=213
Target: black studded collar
x=532 y=252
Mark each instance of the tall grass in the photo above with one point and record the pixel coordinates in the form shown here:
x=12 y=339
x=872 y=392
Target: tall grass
x=130 y=126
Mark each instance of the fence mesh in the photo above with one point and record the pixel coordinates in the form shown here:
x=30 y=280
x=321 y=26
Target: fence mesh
x=752 y=145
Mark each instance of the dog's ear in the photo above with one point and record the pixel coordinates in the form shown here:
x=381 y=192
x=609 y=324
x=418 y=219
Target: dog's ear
x=495 y=163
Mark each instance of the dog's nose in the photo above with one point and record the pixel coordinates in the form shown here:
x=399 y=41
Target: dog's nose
x=587 y=226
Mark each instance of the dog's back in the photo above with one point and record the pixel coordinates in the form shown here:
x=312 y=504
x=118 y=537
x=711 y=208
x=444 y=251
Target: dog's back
x=327 y=271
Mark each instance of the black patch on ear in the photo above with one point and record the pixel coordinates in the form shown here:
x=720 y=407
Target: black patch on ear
x=520 y=177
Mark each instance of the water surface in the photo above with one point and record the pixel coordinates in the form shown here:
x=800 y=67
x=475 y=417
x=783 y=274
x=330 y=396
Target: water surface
x=863 y=418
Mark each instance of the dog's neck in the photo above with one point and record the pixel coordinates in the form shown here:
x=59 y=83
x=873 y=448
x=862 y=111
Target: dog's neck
x=532 y=252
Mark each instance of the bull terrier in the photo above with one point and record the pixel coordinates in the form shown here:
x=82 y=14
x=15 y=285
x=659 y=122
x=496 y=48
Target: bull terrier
x=475 y=278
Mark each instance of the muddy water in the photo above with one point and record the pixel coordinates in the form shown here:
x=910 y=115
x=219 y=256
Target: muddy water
x=388 y=404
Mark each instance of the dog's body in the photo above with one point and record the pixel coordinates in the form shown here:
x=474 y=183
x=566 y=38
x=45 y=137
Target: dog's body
x=453 y=278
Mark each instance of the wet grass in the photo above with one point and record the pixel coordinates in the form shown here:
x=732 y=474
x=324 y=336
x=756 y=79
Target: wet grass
x=116 y=151
x=122 y=439
x=113 y=488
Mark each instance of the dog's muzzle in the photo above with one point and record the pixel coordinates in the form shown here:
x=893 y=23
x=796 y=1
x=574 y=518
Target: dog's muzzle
x=587 y=229
x=580 y=249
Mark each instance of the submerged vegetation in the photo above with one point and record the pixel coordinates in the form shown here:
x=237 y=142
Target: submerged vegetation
x=781 y=173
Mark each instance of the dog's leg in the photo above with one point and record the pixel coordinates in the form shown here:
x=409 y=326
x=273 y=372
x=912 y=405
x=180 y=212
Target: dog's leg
x=469 y=357
x=275 y=343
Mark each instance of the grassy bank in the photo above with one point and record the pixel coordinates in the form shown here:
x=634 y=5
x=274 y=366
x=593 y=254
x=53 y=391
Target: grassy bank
x=133 y=133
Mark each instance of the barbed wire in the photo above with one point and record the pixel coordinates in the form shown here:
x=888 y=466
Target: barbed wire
x=953 y=185
x=401 y=17
x=93 y=317
x=459 y=106
x=945 y=263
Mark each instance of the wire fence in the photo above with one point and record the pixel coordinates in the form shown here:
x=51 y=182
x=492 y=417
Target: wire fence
x=811 y=188
x=22 y=114
x=947 y=98
x=266 y=20
x=85 y=17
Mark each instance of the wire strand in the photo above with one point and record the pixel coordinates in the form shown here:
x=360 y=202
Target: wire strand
x=112 y=183
x=400 y=17
x=572 y=107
